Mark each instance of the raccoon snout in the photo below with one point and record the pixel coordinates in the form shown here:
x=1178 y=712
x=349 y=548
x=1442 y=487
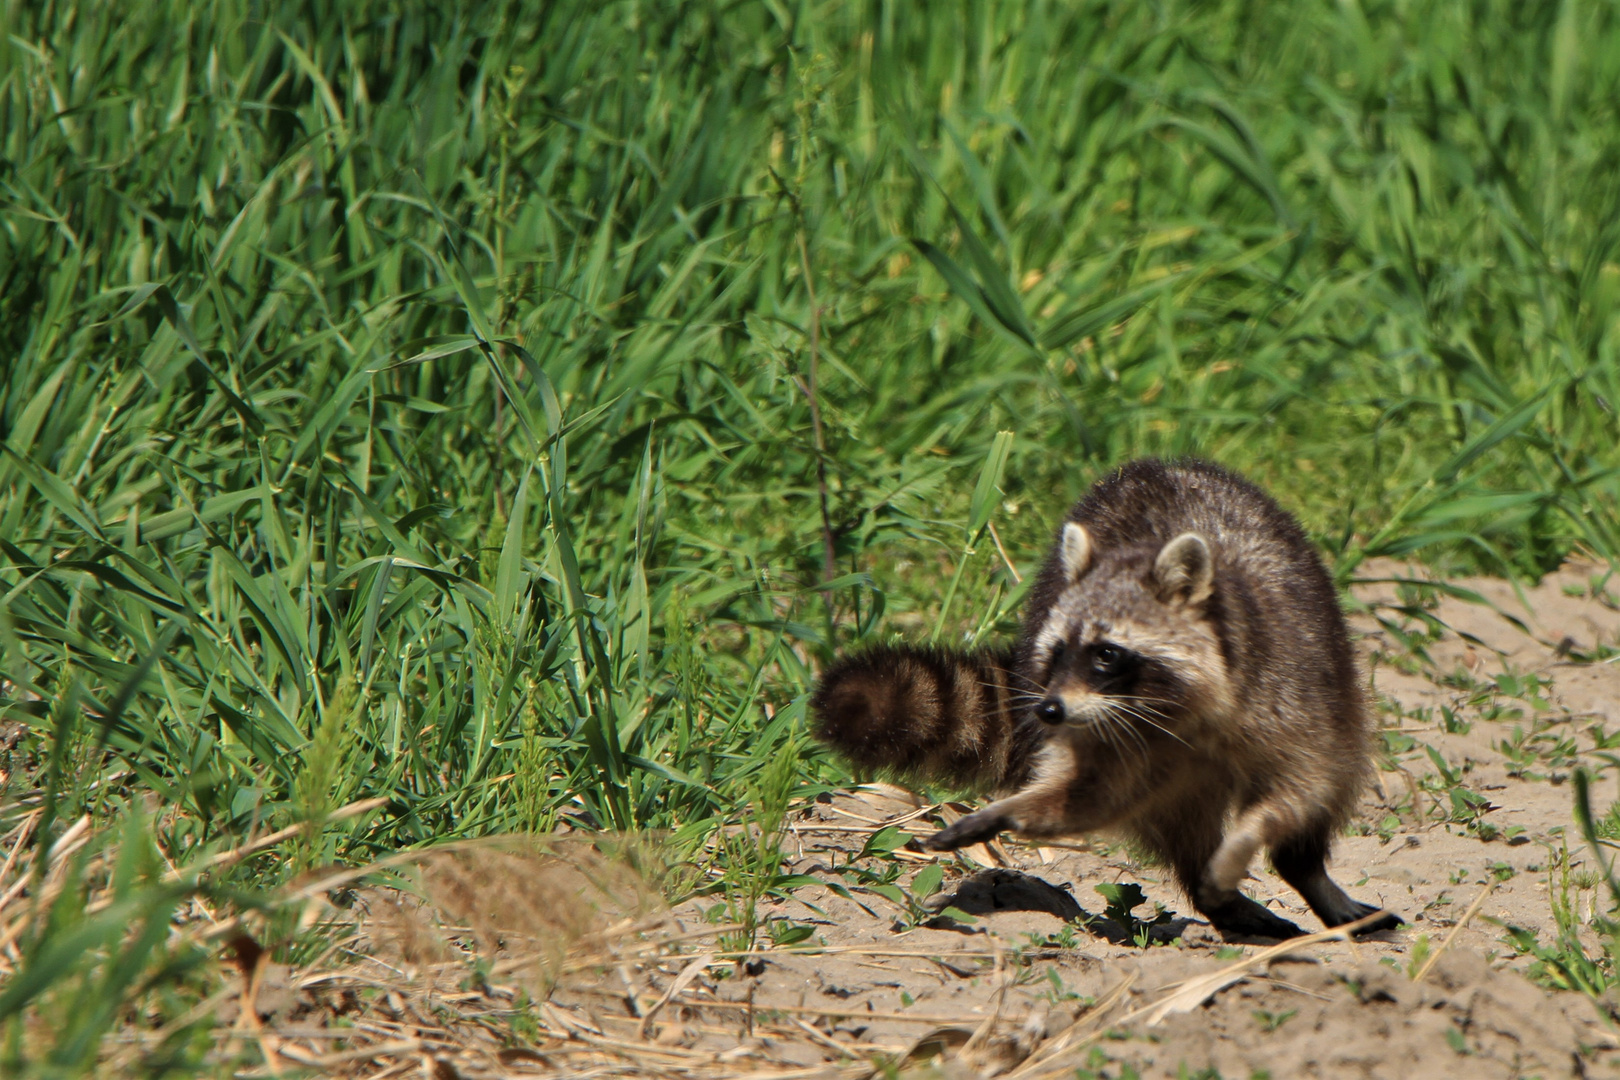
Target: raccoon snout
x=1050 y=711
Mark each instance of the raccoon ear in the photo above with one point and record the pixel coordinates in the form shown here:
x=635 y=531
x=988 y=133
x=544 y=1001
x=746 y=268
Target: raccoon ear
x=1076 y=551
x=1185 y=569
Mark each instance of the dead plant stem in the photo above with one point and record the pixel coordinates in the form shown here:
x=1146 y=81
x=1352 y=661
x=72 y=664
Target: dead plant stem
x=1473 y=909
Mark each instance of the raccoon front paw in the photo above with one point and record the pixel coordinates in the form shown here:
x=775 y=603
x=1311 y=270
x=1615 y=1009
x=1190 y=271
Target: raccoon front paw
x=973 y=829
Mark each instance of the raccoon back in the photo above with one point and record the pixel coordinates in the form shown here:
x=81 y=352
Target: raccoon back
x=929 y=713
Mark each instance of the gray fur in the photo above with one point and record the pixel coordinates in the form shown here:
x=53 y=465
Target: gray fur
x=1198 y=688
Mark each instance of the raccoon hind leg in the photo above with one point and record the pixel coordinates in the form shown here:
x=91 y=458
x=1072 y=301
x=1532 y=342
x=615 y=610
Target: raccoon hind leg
x=1301 y=859
x=1193 y=843
x=1299 y=844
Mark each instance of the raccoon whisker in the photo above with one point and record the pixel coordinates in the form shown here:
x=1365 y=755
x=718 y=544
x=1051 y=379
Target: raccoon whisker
x=1147 y=712
x=1010 y=684
x=1142 y=716
x=1013 y=690
x=1106 y=723
x=1103 y=730
x=1144 y=712
x=1020 y=695
x=1127 y=731
x=1095 y=722
x=1146 y=700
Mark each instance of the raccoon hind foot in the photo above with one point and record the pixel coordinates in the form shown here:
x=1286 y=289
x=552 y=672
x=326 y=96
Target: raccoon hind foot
x=1240 y=916
x=1390 y=921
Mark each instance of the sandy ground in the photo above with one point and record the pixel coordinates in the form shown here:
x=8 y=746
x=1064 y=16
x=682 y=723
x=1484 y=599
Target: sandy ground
x=1509 y=710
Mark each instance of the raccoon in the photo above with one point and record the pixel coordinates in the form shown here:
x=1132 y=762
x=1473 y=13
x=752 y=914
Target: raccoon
x=1184 y=676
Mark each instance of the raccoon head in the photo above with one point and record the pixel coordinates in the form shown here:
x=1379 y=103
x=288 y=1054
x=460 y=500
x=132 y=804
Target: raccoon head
x=1128 y=638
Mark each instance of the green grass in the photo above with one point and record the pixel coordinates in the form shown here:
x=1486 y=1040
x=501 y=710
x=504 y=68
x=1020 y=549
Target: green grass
x=503 y=414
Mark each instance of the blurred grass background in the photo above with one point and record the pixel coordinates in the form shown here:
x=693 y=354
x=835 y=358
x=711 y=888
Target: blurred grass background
x=502 y=410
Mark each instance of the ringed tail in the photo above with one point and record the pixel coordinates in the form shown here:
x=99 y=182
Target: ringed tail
x=928 y=713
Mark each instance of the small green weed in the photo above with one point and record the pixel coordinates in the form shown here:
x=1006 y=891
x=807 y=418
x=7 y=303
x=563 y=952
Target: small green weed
x=1540 y=748
x=1458 y=804
x=1056 y=993
x=1527 y=687
x=1392 y=746
x=1418 y=956
x=1067 y=937
x=1607 y=827
x=911 y=900
x=1123 y=898
x=784 y=932
x=1097 y=1067
x=1270 y=1021
x=1444 y=900
x=750 y=856
x=1565 y=962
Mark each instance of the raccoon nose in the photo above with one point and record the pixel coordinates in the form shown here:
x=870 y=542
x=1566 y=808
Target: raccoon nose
x=1050 y=711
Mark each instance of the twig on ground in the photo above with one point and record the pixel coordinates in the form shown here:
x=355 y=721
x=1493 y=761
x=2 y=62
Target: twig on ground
x=682 y=981
x=1473 y=909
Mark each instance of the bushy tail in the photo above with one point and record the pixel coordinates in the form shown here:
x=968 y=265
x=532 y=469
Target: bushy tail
x=928 y=714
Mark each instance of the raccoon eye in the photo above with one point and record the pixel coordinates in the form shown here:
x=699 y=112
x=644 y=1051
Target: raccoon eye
x=1107 y=659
